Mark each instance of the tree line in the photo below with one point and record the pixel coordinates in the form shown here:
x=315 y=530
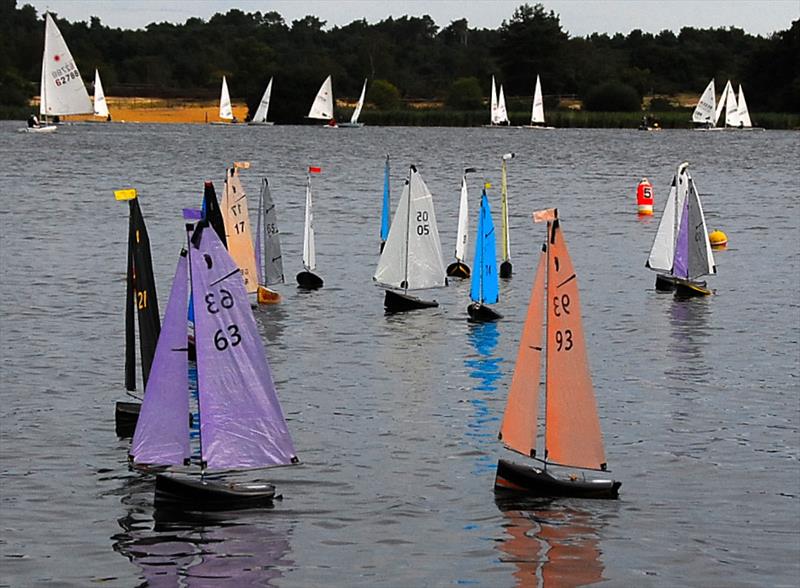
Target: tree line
x=406 y=59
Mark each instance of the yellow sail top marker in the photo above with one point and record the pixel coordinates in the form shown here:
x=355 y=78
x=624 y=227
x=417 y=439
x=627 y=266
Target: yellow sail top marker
x=127 y=194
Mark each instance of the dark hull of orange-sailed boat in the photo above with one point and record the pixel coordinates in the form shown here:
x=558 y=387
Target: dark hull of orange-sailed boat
x=535 y=482
x=399 y=302
x=197 y=494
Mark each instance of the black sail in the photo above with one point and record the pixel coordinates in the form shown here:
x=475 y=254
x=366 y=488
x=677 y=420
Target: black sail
x=212 y=212
x=141 y=298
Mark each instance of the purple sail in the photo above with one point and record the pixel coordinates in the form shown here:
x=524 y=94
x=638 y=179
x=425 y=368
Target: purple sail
x=162 y=431
x=241 y=422
x=680 y=267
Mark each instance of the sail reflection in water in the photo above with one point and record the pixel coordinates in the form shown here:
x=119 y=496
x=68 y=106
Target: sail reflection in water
x=551 y=545
x=486 y=369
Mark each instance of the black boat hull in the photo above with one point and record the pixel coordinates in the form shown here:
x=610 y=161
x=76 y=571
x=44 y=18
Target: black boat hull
x=309 y=281
x=185 y=493
x=480 y=313
x=126 y=414
x=534 y=482
x=506 y=269
x=399 y=302
x=665 y=283
x=689 y=289
x=458 y=269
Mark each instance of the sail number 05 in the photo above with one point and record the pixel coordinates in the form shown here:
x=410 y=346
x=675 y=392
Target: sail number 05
x=423 y=228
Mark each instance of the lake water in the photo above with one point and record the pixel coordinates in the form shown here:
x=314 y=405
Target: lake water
x=395 y=418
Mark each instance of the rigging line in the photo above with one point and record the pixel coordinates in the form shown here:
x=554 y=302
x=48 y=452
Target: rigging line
x=568 y=280
x=223 y=278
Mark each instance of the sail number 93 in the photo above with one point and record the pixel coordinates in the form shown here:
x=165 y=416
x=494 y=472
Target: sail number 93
x=423 y=228
x=561 y=305
x=564 y=340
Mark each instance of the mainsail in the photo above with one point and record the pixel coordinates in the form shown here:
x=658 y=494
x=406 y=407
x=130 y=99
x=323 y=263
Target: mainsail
x=721 y=103
x=485 y=287
x=272 y=262
x=100 y=106
x=241 y=421
x=263 y=107
x=360 y=105
x=462 y=235
x=309 y=246
x=385 y=207
x=704 y=112
x=62 y=90
x=322 y=108
x=537 y=112
x=236 y=217
x=502 y=114
x=493 y=104
x=225 y=111
x=731 y=108
x=744 y=114
x=162 y=430
x=693 y=255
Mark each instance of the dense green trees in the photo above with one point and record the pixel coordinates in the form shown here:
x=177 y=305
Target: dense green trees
x=411 y=54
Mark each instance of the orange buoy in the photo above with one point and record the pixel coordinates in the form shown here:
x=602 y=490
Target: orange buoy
x=644 y=197
x=718 y=239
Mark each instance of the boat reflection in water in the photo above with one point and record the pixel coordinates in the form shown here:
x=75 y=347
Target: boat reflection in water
x=552 y=544
x=689 y=336
x=485 y=368
x=201 y=549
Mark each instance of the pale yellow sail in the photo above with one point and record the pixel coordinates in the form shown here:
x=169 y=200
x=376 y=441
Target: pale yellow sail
x=237 y=228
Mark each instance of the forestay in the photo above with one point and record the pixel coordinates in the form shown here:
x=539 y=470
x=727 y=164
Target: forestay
x=62 y=90
x=241 y=421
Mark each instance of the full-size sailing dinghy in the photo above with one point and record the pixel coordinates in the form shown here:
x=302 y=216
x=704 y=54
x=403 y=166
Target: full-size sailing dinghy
x=242 y=426
x=498 y=115
x=412 y=257
x=572 y=436
x=260 y=117
x=537 y=110
x=62 y=91
x=141 y=304
x=704 y=116
x=485 y=288
x=459 y=269
x=357 y=112
x=506 y=269
x=322 y=107
x=681 y=251
x=307 y=279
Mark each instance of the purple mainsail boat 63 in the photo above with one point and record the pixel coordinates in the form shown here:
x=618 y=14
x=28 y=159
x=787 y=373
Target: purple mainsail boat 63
x=241 y=422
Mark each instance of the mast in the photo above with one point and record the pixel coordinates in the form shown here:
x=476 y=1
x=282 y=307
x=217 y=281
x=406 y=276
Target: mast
x=408 y=229
x=504 y=205
x=385 y=210
x=193 y=236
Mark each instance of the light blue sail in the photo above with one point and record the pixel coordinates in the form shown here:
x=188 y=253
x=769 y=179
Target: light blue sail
x=386 y=205
x=485 y=286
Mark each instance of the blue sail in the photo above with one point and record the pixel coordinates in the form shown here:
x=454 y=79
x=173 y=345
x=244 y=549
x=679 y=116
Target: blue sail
x=485 y=287
x=386 y=206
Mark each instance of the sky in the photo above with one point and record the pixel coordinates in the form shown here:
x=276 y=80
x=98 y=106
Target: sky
x=578 y=17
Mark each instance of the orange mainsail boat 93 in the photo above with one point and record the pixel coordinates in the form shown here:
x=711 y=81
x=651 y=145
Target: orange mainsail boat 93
x=572 y=436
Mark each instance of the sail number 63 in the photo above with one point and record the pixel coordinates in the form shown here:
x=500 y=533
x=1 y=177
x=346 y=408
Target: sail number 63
x=423 y=228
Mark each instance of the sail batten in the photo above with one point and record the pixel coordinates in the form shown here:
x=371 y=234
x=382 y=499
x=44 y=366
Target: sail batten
x=241 y=421
x=62 y=90
x=162 y=429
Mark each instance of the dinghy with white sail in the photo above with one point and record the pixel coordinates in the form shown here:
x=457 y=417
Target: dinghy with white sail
x=357 y=112
x=459 y=269
x=485 y=289
x=412 y=257
x=100 y=106
x=731 y=107
x=322 y=107
x=497 y=111
x=61 y=91
x=225 y=108
x=537 y=110
x=307 y=279
x=704 y=115
x=572 y=434
x=260 y=117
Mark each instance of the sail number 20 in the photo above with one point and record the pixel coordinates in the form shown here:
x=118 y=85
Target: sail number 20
x=423 y=228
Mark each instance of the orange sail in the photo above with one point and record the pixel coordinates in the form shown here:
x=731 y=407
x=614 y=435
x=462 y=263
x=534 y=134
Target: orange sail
x=518 y=431
x=572 y=429
x=237 y=228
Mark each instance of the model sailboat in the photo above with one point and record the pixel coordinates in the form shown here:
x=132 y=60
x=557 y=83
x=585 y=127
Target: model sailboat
x=100 y=106
x=412 y=258
x=485 y=288
x=681 y=251
x=241 y=422
x=459 y=269
x=260 y=117
x=307 y=279
x=61 y=91
x=322 y=107
x=357 y=112
x=572 y=436
x=140 y=300
x=270 y=260
x=238 y=232
x=506 y=268
x=385 y=208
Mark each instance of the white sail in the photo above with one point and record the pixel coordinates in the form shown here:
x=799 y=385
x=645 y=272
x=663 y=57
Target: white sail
x=225 y=111
x=721 y=103
x=744 y=114
x=360 y=105
x=493 y=105
x=263 y=106
x=309 y=249
x=462 y=236
x=731 y=108
x=412 y=258
x=701 y=258
x=705 y=110
x=502 y=115
x=100 y=106
x=322 y=108
x=62 y=90
x=662 y=253
x=537 y=113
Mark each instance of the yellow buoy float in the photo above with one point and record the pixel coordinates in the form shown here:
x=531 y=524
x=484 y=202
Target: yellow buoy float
x=718 y=239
